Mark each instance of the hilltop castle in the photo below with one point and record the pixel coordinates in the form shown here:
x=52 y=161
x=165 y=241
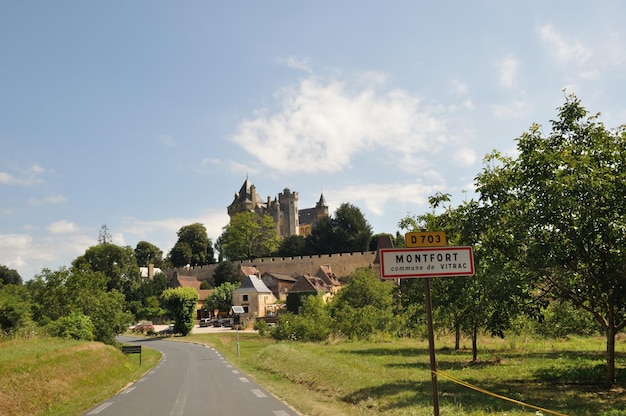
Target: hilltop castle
x=284 y=210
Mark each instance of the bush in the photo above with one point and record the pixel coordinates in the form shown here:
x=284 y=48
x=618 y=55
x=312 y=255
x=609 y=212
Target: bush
x=75 y=326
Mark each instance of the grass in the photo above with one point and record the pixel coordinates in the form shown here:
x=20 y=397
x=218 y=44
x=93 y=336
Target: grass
x=393 y=377
x=52 y=376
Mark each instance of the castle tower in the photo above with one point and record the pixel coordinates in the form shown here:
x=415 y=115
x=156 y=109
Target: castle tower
x=321 y=208
x=289 y=224
x=247 y=199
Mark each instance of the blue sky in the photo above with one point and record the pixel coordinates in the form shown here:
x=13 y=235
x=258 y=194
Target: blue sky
x=148 y=115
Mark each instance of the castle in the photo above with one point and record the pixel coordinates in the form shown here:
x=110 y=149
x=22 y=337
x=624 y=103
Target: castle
x=289 y=220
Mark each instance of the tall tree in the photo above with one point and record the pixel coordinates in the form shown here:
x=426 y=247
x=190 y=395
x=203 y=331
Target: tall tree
x=116 y=262
x=147 y=253
x=222 y=297
x=104 y=237
x=562 y=202
x=347 y=231
x=193 y=247
x=225 y=272
x=181 y=303
x=9 y=276
x=248 y=236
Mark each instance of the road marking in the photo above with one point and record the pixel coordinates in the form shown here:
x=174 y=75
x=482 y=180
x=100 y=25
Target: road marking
x=128 y=390
x=100 y=408
x=244 y=380
x=235 y=371
x=280 y=413
x=258 y=393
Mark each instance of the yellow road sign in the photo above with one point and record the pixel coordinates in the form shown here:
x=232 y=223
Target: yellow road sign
x=425 y=239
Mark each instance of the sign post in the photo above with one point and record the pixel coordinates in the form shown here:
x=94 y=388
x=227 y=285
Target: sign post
x=428 y=257
x=237 y=310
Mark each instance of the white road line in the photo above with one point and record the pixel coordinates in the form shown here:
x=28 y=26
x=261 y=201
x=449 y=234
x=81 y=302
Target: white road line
x=128 y=390
x=258 y=393
x=235 y=371
x=244 y=380
x=100 y=408
x=280 y=413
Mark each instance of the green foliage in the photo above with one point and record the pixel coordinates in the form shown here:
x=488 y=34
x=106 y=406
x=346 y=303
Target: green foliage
x=292 y=246
x=116 y=262
x=74 y=326
x=14 y=307
x=181 y=303
x=9 y=276
x=363 y=307
x=224 y=272
x=313 y=324
x=222 y=297
x=248 y=236
x=562 y=319
x=561 y=213
x=347 y=231
x=193 y=247
x=61 y=293
x=147 y=253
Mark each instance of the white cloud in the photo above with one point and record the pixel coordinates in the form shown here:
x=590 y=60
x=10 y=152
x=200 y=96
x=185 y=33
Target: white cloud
x=63 y=227
x=48 y=199
x=465 y=156
x=514 y=110
x=566 y=50
x=458 y=87
x=295 y=63
x=507 y=71
x=29 y=176
x=320 y=126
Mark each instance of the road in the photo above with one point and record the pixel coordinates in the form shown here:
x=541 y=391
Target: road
x=190 y=380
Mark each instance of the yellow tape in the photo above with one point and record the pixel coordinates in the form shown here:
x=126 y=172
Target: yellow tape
x=470 y=386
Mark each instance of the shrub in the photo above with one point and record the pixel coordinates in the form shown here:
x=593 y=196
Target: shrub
x=75 y=326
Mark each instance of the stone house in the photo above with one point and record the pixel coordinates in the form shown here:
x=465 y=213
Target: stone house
x=308 y=285
x=278 y=283
x=256 y=299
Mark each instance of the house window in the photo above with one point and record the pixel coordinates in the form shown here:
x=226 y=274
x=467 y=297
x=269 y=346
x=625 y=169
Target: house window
x=245 y=298
x=245 y=309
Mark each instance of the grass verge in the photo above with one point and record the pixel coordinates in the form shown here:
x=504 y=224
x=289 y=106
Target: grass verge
x=393 y=377
x=52 y=376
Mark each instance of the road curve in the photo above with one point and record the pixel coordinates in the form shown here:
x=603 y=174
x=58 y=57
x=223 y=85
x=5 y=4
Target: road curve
x=190 y=380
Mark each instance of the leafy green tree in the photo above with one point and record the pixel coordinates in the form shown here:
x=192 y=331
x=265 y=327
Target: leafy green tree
x=9 y=276
x=222 y=297
x=347 y=231
x=193 y=247
x=363 y=306
x=313 y=324
x=292 y=246
x=14 y=307
x=116 y=262
x=181 y=303
x=67 y=292
x=74 y=326
x=147 y=253
x=224 y=272
x=562 y=203
x=248 y=236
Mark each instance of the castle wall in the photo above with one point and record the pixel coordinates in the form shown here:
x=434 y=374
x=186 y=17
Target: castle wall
x=342 y=265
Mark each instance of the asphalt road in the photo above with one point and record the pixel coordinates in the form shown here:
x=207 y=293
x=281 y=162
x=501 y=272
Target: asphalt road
x=190 y=380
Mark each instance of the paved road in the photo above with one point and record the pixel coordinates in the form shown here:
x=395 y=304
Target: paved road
x=190 y=380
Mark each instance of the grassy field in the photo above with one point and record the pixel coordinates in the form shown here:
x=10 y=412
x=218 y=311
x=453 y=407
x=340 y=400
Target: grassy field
x=52 y=376
x=393 y=377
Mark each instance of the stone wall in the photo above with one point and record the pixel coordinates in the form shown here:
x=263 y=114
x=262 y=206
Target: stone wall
x=342 y=265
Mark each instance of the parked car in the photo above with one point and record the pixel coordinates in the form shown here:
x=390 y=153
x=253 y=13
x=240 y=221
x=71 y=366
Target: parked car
x=167 y=331
x=227 y=323
x=144 y=326
x=217 y=323
x=204 y=322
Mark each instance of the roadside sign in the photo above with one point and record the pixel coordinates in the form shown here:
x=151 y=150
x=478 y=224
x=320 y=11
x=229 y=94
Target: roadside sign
x=425 y=239
x=398 y=263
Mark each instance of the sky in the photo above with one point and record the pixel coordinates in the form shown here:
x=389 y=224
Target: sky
x=148 y=116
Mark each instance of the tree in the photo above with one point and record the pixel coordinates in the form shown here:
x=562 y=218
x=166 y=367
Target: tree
x=292 y=246
x=116 y=262
x=347 y=231
x=562 y=203
x=9 y=276
x=222 y=298
x=70 y=293
x=147 y=253
x=181 y=303
x=193 y=247
x=225 y=272
x=248 y=236
x=14 y=307
x=104 y=237
x=363 y=306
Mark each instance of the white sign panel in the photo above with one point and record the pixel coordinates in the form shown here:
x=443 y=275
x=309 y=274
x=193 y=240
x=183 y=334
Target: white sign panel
x=397 y=263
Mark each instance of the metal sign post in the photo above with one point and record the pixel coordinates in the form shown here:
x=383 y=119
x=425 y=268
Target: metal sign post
x=427 y=259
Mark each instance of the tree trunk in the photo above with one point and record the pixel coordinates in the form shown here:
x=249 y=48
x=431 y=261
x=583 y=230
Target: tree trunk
x=610 y=349
x=474 y=344
x=457 y=337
